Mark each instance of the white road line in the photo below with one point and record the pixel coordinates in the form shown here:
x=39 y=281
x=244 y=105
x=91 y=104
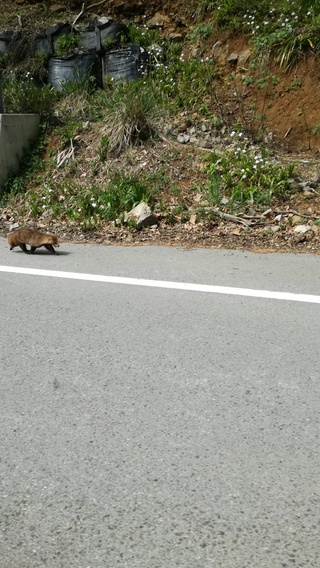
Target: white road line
x=165 y=284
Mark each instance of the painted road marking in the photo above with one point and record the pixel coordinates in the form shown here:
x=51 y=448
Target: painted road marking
x=186 y=286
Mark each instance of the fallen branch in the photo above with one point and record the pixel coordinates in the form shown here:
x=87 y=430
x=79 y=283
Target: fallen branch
x=229 y=217
x=223 y=215
x=292 y=212
x=84 y=10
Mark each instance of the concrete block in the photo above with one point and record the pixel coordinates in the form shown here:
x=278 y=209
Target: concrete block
x=17 y=133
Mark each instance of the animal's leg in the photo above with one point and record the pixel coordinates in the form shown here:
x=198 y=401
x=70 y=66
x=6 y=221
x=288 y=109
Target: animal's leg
x=51 y=249
x=24 y=248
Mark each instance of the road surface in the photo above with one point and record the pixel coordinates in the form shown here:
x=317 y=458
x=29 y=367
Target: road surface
x=150 y=427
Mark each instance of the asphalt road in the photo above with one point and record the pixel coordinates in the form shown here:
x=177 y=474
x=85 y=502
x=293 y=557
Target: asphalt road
x=158 y=428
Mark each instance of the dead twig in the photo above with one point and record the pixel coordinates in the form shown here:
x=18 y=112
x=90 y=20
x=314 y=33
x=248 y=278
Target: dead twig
x=229 y=217
x=65 y=155
x=84 y=10
x=223 y=215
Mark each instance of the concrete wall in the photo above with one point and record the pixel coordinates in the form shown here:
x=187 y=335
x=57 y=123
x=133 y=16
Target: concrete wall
x=17 y=133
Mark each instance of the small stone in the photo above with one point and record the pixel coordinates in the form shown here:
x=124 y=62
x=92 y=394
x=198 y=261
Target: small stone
x=56 y=8
x=143 y=216
x=206 y=143
x=294 y=186
x=14 y=226
x=183 y=138
x=159 y=20
x=244 y=57
x=216 y=46
x=233 y=58
x=220 y=51
x=103 y=20
x=275 y=228
x=195 y=52
x=168 y=131
x=295 y=220
x=302 y=229
x=299 y=238
x=176 y=37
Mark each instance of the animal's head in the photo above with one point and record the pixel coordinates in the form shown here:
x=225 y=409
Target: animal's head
x=54 y=240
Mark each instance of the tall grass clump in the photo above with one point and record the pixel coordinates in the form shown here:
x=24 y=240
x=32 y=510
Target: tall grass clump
x=131 y=112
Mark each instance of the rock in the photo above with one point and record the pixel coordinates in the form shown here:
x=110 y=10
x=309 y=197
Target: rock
x=195 y=53
x=275 y=228
x=175 y=37
x=159 y=20
x=143 y=216
x=294 y=186
x=302 y=229
x=168 y=131
x=216 y=46
x=14 y=226
x=233 y=58
x=244 y=57
x=316 y=178
x=183 y=138
x=103 y=20
x=206 y=143
x=220 y=51
x=295 y=220
x=56 y=8
x=299 y=238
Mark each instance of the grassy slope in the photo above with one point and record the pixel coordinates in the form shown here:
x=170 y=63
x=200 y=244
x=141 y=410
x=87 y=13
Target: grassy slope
x=86 y=196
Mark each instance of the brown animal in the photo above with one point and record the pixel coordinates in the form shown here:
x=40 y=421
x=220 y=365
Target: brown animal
x=35 y=239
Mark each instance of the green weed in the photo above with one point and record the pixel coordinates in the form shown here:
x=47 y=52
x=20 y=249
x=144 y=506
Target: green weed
x=66 y=44
x=27 y=96
x=246 y=176
x=86 y=204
